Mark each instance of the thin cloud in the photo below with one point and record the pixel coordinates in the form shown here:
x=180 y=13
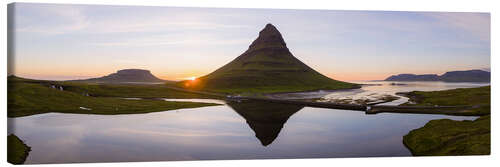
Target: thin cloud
x=155 y=25
x=63 y=19
x=172 y=40
x=202 y=39
x=475 y=23
x=57 y=19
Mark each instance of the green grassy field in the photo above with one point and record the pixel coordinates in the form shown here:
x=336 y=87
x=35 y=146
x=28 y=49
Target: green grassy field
x=449 y=137
x=115 y=89
x=17 y=151
x=27 y=97
x=129 y=90
x=455 y=97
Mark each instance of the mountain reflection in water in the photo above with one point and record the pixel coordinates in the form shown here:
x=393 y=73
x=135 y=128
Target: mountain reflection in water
x=265 y=118
x=216 y=133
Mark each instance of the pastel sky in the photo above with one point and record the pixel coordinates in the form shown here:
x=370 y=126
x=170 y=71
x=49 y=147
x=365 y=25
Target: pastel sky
x=58 y=42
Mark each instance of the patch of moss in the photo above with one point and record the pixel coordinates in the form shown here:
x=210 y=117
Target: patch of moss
x=17 y=151
x=449 y=137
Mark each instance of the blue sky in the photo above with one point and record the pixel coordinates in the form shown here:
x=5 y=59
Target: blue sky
x=54 y=41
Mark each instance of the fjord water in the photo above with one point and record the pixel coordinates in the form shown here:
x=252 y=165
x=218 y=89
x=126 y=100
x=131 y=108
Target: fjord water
x=245 y=130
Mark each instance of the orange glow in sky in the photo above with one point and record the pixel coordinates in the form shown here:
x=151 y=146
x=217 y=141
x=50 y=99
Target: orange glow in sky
x=81 y=42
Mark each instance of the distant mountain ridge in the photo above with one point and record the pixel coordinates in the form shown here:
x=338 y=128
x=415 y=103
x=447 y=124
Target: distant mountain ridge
x=267 y=66
x=126 y=75
x=452 y=76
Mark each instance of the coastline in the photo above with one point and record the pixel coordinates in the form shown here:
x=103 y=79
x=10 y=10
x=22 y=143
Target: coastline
x=445 y=137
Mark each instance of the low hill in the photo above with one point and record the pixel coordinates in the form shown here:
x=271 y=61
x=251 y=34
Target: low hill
x=413 y=77
x=267 y=66
x=127 y=75
x=452 y=76
x=467 y=76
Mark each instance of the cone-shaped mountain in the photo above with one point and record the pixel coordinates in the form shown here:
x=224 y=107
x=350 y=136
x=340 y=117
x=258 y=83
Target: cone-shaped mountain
x=267 y=66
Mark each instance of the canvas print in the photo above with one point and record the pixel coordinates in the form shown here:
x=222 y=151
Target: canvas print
x=97 y=83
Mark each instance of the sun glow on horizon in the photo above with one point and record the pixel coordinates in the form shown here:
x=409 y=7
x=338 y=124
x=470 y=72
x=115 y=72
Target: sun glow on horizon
x=190 y=82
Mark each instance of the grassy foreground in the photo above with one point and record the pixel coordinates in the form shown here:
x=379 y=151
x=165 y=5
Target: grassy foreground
x=449 y=137
x=17 y=151
x=455 y=97
x=129 y=90
x=29 y=97
x=114 y=89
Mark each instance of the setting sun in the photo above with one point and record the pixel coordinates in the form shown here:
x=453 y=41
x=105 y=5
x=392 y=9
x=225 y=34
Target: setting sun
x=192 y=78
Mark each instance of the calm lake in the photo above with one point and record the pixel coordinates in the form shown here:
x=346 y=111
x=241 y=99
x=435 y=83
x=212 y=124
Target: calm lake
x=246 y=130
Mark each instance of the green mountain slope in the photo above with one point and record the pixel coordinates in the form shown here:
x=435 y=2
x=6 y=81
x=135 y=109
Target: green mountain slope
x=266 y=67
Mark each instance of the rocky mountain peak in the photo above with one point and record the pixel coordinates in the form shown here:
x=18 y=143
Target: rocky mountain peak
x=269 y=36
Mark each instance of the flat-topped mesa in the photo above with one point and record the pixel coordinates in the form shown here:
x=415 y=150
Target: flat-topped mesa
x=127 y=75
x=268 y=37
x=133 y=71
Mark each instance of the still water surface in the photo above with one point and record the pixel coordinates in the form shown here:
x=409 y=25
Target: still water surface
x=246 y=130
